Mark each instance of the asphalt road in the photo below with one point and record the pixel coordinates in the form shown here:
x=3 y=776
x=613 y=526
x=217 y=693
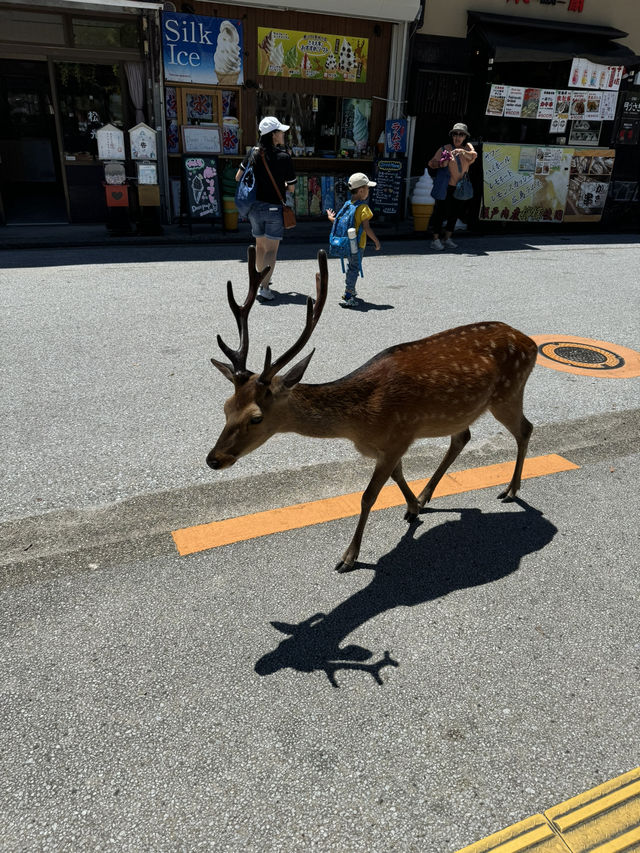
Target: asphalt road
x=231 y=700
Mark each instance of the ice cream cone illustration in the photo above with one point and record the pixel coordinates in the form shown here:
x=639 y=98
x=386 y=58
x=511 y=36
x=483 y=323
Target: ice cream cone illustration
x=330 y=66
x=347 y=61
x=227 y=56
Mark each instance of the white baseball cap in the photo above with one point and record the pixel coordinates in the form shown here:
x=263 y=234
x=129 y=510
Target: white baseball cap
x=359 y=179
x=271 y=123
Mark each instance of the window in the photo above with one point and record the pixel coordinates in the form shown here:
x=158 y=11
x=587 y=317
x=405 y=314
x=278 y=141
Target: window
x=90 y=96
x=105 y=34
x=36 y=27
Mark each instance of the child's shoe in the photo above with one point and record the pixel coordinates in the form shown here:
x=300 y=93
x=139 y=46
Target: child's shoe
x=449 y=244
x=348 y=301
x=437 y=245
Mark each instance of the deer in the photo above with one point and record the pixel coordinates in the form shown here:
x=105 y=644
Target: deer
x=433 y=387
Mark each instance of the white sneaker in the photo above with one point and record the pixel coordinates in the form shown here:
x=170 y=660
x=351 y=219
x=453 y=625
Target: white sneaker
x=265 y=293
x=460 y=226
x=437 y=245
x=449 y=244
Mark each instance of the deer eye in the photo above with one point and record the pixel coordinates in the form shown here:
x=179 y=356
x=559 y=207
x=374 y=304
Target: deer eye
x=256 y=420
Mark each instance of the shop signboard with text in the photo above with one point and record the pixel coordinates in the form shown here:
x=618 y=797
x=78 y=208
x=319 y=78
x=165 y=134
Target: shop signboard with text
x=293 y=53
x=197 y=49
x=533 y=183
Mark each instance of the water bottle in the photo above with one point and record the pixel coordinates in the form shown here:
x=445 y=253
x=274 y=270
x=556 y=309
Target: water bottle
x=351 y=234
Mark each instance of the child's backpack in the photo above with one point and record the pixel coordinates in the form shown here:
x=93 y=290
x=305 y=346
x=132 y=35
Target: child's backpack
x=246 y=189
x=339 y=246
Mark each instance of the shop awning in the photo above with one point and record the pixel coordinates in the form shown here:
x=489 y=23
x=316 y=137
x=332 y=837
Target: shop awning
x=398 y=11
x=512 y=39
x=133 y=6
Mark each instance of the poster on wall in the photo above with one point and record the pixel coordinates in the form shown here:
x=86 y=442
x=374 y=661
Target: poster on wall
x=513 y=102
x=585 y=133
x=293 y=53
x=628 y=132
x=530 y=103
x=354 y=127
x=631 y=104
x=591 y=75
x=578 y=105
x=525 y=183
x=592 y=108
x=608 y=104
x=497 y=97
x=197 y=49
x=589 y=184
x=547 y=106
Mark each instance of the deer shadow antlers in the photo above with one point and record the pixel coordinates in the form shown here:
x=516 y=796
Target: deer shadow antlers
x=475 y=549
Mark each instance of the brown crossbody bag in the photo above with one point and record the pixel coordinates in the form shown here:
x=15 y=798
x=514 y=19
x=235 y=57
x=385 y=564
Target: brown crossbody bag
x=288 y=215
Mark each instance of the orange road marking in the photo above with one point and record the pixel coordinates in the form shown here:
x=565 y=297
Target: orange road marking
x=202 y=537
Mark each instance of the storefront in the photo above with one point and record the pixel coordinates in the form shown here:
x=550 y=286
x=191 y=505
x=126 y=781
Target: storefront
x=335 y=73
x=67 y=68
x=549 y=98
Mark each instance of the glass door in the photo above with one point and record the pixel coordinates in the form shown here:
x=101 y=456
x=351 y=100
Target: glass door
x=31 y=187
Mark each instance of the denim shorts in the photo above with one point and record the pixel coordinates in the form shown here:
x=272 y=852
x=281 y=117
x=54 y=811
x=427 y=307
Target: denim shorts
x=266 y=220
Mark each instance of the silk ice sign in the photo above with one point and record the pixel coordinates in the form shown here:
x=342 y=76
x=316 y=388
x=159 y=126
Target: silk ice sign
x=196 y=49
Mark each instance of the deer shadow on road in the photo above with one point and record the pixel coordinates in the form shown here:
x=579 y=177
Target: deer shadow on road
x=476 y=548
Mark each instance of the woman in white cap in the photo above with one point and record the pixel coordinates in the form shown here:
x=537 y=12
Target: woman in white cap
x=265 y=214
x=457 y=158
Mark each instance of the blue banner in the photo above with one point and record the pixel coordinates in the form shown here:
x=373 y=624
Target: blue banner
x=395 y=136
x=196 y=49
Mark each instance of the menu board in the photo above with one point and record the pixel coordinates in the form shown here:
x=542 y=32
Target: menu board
x=202 y=189
x=527 y=183
x=556 y=105
x=524 y=183
x=110 y=143
x=386 y=196
x=589 y=184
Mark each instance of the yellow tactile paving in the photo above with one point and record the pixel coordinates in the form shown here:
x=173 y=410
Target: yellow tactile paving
x=603 y=820
x=190 y=540
x=531 y=835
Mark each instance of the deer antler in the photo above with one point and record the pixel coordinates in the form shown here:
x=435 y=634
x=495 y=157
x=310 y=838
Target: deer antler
x=313 y=315
x=238 y=358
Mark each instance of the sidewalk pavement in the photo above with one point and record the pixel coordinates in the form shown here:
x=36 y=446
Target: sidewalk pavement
x=69 y=236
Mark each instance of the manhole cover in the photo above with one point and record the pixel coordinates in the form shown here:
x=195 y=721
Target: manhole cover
x=587 y=357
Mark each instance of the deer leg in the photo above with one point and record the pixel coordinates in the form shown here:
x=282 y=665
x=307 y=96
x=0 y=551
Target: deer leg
x=458 y=441
x=381 y=474
x=412 y=504
x=511 y=416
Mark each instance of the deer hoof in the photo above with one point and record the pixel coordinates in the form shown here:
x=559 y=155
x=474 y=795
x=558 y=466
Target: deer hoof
x=344 y=567
x=507 y=495
x=410 y=516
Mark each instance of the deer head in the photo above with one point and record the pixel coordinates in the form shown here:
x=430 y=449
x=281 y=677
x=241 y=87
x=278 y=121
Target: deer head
x=257 y=408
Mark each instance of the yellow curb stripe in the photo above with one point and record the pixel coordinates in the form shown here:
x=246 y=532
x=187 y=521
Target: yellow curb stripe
x=202 y=537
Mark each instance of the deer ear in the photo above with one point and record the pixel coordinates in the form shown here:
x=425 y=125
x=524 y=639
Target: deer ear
x=293 y=376
x=224 y=369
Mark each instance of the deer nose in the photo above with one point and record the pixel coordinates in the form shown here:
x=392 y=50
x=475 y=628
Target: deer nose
x=212 y=461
